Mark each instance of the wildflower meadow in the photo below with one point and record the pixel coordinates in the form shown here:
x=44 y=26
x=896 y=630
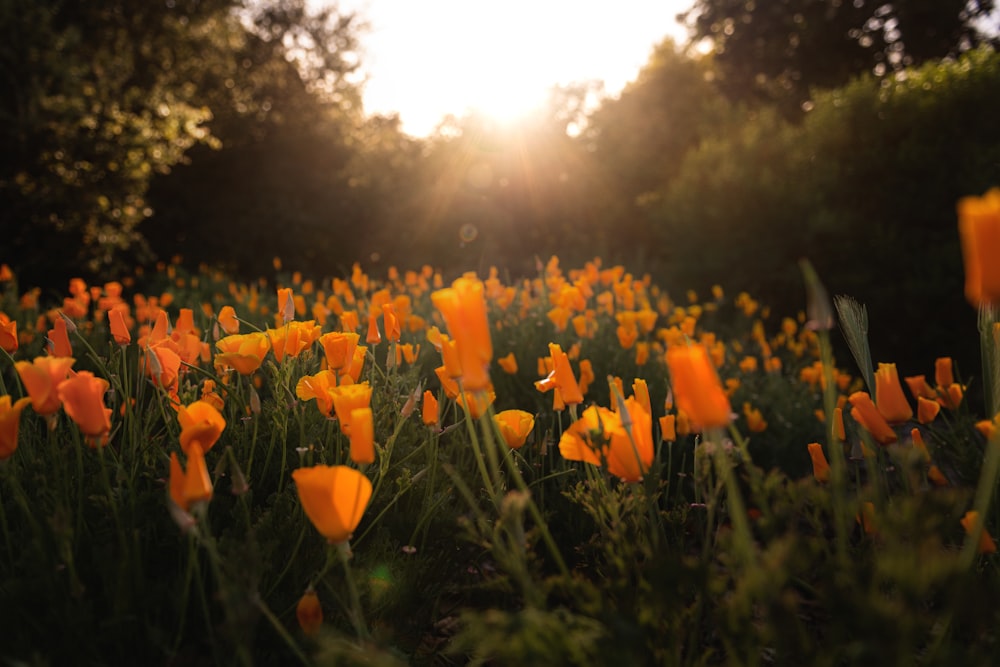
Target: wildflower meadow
x=574 y=467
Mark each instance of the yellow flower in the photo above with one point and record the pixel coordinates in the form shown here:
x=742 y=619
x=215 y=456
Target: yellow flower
x=515 y=426
x=334 y=499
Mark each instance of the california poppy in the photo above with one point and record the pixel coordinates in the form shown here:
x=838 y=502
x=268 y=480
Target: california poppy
x=429 y=408
x=889 y=397
x=83 y=400
x=334 y=499
x=119 y=330
x=970 y=522
x=979 y=232
x=696 y=385
x=600 y=435
x=865 y=413
x=339 y=348
x=362 y=436
x=200 y=423
x=244 y=353
x=59 y=337
x=193 y=485
x=10 y=420
x=309 y=613
x=515 y=426
x=821 y=468
x=348 y=397
x=464 y=310
x=42 y=378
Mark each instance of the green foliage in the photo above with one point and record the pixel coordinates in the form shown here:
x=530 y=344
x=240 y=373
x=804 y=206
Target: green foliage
x=859 y=187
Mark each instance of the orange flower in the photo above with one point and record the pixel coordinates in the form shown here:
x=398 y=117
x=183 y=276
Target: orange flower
x=191 y=486
x=865 y=413
x=242 y=352
x=449 y=356
x=599 y=435
x=668 y=428
x=478 y=402
x=390 y=323
x=641 y=392
x=347 y=398
x=357 y=365
x=339 y=348
x=508 y=364
x=979 y=232
x=318 y=387
x=944 y=376
x=59 y=336
x=464 y=310
x=696 y=386
x=927 y=410
x=970 y=522
x=373 y=337
x=334 y=499
x=163 y=364
x=286 y=304
x=755 y=420
x=83 y=399
x=309 y=613
x=8 y=334
x=293 y=338
x=429 y=409
x=515 y=426
x=119 y=330
x=10 y=421
x=42 y=378
x=228 y=320
x=561 y=377
x=919 y=387
x=889 y=397
x=200 y=423
x=821 y=469
x=362 y=433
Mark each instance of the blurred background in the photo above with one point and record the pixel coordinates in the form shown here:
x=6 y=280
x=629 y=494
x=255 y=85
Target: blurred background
x=750 y=134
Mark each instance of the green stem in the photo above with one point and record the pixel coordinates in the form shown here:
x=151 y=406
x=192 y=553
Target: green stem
x=357 y=616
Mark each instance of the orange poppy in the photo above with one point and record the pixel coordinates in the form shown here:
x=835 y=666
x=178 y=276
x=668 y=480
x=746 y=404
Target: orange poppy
x=696 y=386
x=865 y=413
x=390 y=323
x=309 y=613
x=193 y=485
x=347 y=398
x=889 y=397
x=59 y=337
x=970 y=522
x=318 y=387
x=464 y=310
x=201 y=423
x=979 y=232
x=429 y=408
x=244 y=353
x=600 y=435
x=339 y=348
x=334 y=499
x=228 y=320
x=119 y=330
x=362 y=434
x=83 y=399
x=8 y=334
x=10 y=421
x=821 y=468
x=41 y=379
x=515 y=426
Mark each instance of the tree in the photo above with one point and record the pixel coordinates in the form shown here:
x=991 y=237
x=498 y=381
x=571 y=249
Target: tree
x=776 y=51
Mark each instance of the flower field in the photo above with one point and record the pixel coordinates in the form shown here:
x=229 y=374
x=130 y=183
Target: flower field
x=574 y=468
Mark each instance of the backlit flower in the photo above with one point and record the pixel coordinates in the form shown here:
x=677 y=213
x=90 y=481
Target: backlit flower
x=228 y=321
x=362 y=433
x=561 y=377
x=293 y=338
x=515 y=426
x=41 y=379
x=83 y=400
x=600 y=435
x=696 y=386
x=318 y=387
x=200 y=423
x=464 y=310
x=334 y=499
x=979 y=232
x=347 y=398
x=10 y=421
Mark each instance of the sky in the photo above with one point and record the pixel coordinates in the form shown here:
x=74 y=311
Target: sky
x=428 y=58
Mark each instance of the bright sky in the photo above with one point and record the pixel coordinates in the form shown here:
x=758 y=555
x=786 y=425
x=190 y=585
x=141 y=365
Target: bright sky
x=429 y=58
